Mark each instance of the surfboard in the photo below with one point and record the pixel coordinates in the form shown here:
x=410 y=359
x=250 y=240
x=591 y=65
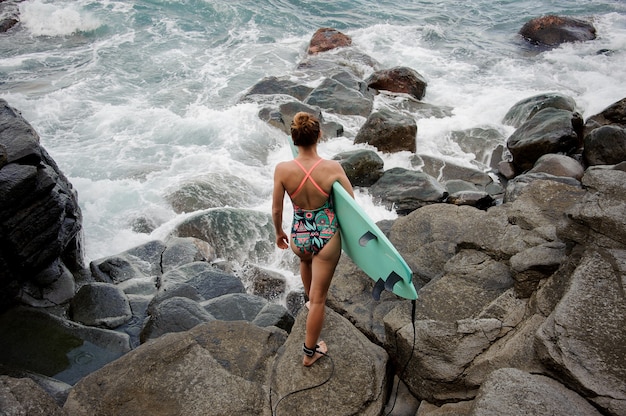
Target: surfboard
x=368 y=247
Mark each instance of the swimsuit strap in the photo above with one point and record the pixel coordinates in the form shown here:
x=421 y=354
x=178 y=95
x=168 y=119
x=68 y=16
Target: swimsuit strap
x=308 y=176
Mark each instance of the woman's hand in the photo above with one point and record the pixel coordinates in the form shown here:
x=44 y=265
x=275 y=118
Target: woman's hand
x=282 y=241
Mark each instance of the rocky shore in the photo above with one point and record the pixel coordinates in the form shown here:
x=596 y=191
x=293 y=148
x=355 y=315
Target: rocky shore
x=520 y=264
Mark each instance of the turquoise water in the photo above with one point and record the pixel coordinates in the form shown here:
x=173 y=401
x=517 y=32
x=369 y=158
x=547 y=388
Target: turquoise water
x=133 y=98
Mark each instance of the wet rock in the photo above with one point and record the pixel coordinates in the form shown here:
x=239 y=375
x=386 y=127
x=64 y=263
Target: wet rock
x=398 y=79
x=525 y=109
x=56 y=347
x=40 y=218
x=554 y=30
x=333 y=96
x=213 y=190
x=549 y=131
x=363 y=167
x=389 y=132
x=100 y=304
x=407 y=190
x=605 y=145
x=325 y=39
x=181 y=251
x=275 y=85
x=615 y=114
x=265 y=283
x=236 y=234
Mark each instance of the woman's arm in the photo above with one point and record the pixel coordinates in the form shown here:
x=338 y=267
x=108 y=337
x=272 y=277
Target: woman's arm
x=278 y=197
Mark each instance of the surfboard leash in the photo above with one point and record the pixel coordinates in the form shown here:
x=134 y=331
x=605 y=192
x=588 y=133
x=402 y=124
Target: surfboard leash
x=332 y=372
x=406 y=365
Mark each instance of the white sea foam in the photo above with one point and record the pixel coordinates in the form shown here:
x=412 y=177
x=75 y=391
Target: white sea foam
x=58 y=19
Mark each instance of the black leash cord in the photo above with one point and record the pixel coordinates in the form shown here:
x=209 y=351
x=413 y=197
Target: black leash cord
x=332 y=372
x=406 y=365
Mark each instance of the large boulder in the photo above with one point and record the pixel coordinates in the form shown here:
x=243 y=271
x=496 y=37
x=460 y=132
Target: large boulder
x=236 y=234
x=525 y=109
x=605 y=145
x=614 y=114
x=407 y=190
x=549 y=131
x=325 y=39
x=389 y=132
x=40 y=219
x=24 y=397
x=185 y=373
x=554 y=30
x=510 y=391
x=399 y=79
x=335 y=97
x=351 y=357
x=583 y=339
x=100 y=304
x=363 y=167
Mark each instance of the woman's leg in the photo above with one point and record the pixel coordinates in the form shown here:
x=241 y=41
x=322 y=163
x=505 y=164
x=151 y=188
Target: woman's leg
x=322 y=267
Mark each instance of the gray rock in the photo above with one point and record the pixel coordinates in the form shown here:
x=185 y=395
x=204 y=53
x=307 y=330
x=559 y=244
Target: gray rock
x=211 y=190
x=441 y=353
x=174 y=314
x=605 y=145
x=532 y=265
x=173 y=374
x=548 y=131
x=513 y=392
x=388 y=131
x=235 y=307
x=525 y=109
x=583 y=339
x=407 y=190
x=599 y=216
x=180 y=251
x=24 y=397
x=363 y=167
x=236 y=234
x=274 y=315
x=265 y=283
x=136 y=263
x=351 y=357
x=335 y=97
x=100 y=304
x=558 y=165
x=210 y=282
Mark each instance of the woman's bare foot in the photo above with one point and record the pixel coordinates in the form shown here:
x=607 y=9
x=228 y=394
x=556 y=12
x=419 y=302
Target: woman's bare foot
x=308 y=361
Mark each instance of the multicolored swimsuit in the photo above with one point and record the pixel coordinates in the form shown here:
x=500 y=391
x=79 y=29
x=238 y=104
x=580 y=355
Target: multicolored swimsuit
x=312 y=229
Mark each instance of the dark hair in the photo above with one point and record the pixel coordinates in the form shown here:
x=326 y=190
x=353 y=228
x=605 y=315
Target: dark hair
x=305 y=129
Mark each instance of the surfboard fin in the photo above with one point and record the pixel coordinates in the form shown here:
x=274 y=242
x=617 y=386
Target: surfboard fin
x=366 y=238
x=388 y=284
x=379 y=286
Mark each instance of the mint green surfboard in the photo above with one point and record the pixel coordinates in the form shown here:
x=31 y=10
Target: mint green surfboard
x=368 y=247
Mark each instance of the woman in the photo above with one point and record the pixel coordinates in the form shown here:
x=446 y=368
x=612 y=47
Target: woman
x=315 y=236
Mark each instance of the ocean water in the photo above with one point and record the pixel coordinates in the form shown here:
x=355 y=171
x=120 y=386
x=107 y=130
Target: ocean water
x=134 y=98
